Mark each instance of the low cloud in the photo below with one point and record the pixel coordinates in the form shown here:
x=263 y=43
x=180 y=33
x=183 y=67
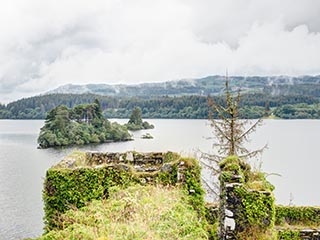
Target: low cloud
x=45 y=44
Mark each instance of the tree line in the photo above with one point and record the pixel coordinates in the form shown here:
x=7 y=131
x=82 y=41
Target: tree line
x=252 y=105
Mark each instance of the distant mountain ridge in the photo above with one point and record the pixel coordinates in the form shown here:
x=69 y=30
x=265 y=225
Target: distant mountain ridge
x=213 y=85
x=282 y=96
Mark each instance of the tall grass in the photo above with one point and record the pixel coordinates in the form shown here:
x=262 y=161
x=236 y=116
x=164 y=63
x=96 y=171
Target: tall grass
x=137 y=212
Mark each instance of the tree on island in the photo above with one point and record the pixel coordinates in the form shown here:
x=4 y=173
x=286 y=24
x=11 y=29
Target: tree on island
x=135 y=122
x=83 y=124
x=136 y=116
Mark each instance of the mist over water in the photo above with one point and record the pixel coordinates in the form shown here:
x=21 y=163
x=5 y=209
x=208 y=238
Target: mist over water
x=292 y=152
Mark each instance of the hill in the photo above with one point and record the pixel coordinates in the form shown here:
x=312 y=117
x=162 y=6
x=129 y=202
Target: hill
x=213 y=85
x=282 y=96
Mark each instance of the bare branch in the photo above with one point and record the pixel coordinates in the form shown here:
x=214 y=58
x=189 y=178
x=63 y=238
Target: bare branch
x=251 y=129
x=209 y=187
x=217 y=128
x=230 y=131
x=213 y=168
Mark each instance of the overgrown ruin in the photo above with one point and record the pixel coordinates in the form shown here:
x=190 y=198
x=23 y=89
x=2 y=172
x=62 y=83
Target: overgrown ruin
x=246 y=209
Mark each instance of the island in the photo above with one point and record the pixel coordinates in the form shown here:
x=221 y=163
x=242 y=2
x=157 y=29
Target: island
x=80 y=125
x=135 y=122
x=147 y=136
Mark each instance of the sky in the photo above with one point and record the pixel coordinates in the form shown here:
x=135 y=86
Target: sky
x=48 y=43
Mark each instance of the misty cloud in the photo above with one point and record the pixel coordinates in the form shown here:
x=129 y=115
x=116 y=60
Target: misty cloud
x=44 y=44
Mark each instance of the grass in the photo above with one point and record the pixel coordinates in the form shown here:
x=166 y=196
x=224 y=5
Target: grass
x=148 y=212
x=76 y=159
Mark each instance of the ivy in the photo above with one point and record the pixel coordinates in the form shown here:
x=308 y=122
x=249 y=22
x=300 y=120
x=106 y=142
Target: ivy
x=257 y=208
x=73 y=188
x=294 y=215
x=289 y=235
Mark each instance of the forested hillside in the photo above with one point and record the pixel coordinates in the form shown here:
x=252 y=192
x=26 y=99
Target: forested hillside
x=281 y=96
x=213 y=85
x=253 y=105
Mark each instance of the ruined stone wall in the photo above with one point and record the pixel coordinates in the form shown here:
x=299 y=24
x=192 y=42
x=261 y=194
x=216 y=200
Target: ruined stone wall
x=247 y=209
x=244 y=211
x=298 y=234
x=298 y=222
x=83 y=177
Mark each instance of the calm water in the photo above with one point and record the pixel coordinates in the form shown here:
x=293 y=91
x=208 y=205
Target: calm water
x=293 y=152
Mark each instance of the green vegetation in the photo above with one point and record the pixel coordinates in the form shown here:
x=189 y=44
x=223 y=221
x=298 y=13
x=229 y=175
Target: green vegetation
x=243 y=192
x=257 y=209
x=298 y=216
x=289 y=234
x=67 y=188
x=291 y=220
x=308 y=88
x=231 y=133
x=83 y=124
x=252 y=202
x=100 y=196
x=245 y=195
x=135 y=122
x=250 y=199
x=147 y=136
x=298 y=111
x=253 y=105
x=181 y=99
x=75 y=181
x=211 y=85
x=148 y=212
x=233 y=166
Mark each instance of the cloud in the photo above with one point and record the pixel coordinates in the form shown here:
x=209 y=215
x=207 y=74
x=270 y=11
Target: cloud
x=229 y=20
x=45 y=44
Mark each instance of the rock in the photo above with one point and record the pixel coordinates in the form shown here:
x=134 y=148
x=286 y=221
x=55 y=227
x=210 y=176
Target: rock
x=147 y=136
x=143 y=180
x=151 y=169
x=139 y=168
x=166 y=168
x=130 y=157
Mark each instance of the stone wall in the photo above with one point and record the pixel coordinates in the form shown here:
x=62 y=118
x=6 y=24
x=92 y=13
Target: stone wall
x=154 y=159
x=298 y=234
x=244 y=211
x=247 y=209
x=82 y=177
x=311 y=234
x=298 y=222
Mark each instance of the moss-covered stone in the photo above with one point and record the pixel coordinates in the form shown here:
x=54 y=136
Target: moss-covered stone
x=136 y=212
x=298 y=215
x=256 y=208
x=246 y=211
x=289 y=234
x=83 y=177
x=247 y=199
x=72 y=188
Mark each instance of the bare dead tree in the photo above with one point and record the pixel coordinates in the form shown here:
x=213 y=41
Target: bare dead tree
x=231 y=133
